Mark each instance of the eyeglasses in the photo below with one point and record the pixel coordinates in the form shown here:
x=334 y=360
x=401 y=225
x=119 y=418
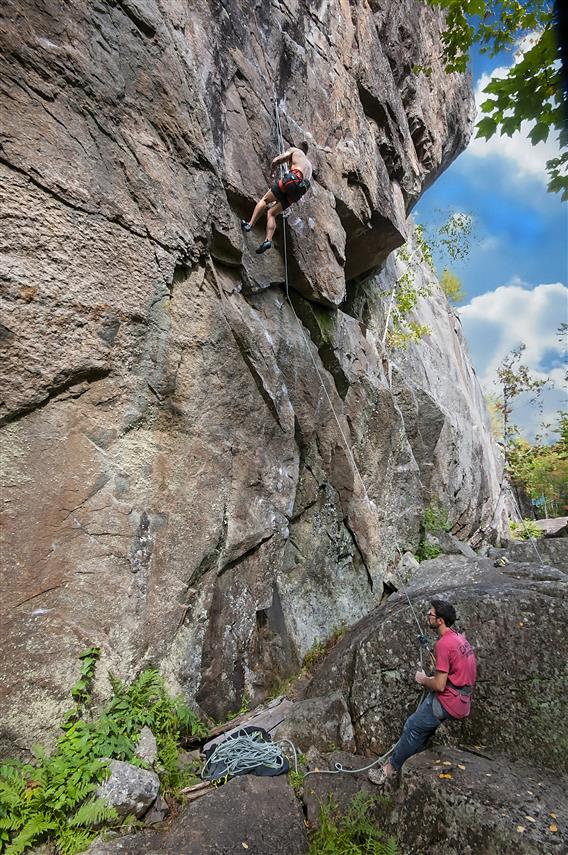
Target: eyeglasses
x=431 y=614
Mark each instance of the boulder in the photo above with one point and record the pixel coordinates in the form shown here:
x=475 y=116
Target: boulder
x=449 y=801
x=452 y=801
x=146 y=747
x=129 y=789
x=157 y=812
x=557 y=527
x=403 y=572
x=448 y=544
x=549 y=551
x=323 y=723
x=256 y=815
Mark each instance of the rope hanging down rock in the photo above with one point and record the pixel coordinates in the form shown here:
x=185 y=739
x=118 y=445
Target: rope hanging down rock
x=300 y=326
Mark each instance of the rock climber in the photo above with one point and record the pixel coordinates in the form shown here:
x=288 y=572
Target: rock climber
x=450 y=690
x=286 y=190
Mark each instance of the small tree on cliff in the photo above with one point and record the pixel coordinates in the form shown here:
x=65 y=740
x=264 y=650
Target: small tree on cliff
x=400 y=330
x=532 y=88
x=514 y=379
x=451 y=240
x=452 y=287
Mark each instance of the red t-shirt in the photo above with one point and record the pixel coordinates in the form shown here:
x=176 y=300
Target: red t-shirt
x=455 y=657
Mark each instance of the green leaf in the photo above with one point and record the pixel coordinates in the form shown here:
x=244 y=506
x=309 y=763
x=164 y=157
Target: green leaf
x=489 y=105
x=486 y=127
x=539 y=133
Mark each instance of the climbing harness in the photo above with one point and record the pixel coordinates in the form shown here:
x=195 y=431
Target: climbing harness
x=293 y=185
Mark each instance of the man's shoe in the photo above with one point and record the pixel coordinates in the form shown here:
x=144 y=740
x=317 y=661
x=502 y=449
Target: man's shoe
x=245 y=226
x=263 y=247
x=379 y=777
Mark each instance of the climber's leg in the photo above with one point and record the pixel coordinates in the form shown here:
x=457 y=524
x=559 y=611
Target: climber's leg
x=273 y=212
x=259 y=210
x=271 y=220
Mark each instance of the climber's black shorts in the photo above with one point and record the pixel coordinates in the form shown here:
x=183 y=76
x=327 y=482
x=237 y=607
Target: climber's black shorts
x=280 y=195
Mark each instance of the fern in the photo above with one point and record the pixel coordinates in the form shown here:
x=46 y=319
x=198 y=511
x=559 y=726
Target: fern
x=351 y=834
x=93 y=813
x=54 y=798
x=34 y=828
x=71 y=841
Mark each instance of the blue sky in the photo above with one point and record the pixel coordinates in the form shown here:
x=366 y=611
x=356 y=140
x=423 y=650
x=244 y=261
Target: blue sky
x=515 y=276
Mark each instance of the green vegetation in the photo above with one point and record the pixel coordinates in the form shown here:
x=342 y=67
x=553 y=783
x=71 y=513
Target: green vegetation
x=524 y=529
x=451 y=240
x=296 y=781
x=435 y=520
x=352 y=834
x=541 y=469
x=426 y=551
x=452 y=287
x=53 y=798
x=399 y=330
x=321 y=648
x=532 y=88
x=514 y=380
x=492 y=403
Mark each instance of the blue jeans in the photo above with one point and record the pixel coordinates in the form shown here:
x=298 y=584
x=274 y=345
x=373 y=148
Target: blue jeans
x=418 y=728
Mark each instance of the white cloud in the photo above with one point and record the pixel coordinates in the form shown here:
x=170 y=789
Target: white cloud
x=488 y=244
x=522 y=158
x=498 y=321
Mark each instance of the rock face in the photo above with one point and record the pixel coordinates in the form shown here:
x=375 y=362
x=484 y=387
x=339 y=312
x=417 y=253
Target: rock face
x=517 y=615
x=177 y=487
x=455 y=801
x=259 y=815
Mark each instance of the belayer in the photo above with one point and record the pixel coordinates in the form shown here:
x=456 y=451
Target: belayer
x=285 y=191
x=450 y=692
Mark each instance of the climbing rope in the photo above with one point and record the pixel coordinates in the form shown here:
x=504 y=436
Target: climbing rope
x=242 y=752
x=300 y=325
x=422 y=639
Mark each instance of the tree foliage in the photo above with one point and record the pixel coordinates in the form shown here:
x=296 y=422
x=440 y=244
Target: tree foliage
x=452 y=287
x=532 y=88
x=451 y=240
x=400 y=329
x=542 y=470
x=514 y=379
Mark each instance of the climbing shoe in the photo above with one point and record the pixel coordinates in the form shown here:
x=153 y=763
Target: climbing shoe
x=266 y=244
x=501 y=562
x=245 y=226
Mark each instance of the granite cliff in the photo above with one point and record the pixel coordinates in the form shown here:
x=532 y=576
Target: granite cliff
x=176 y=486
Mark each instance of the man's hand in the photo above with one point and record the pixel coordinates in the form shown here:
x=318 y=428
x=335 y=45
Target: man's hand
x=437 y=683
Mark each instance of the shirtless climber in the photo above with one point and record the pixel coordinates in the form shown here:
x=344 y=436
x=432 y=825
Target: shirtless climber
x=285 y=191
